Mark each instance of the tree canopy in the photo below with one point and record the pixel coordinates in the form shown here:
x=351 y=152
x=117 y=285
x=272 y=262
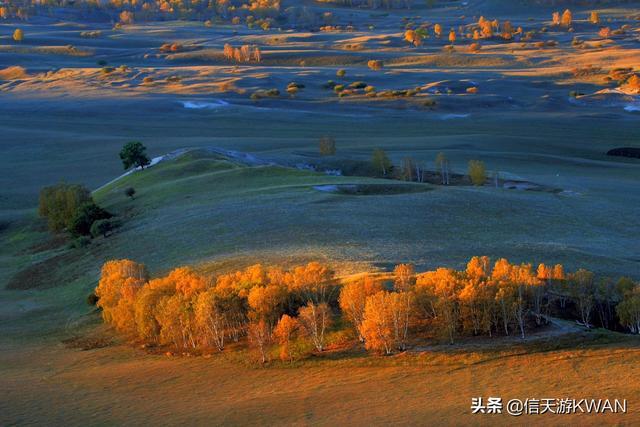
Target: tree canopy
x=134 y=154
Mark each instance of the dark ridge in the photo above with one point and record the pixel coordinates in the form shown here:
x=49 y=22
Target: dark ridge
x=632 y=152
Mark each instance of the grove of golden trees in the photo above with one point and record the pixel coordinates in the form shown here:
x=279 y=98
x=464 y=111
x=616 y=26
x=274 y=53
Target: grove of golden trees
x=298 y=311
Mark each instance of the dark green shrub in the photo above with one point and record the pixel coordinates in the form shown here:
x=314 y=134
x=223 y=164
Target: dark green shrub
x=102 y=227
x=85 y=216
x=80 y=242
x=92 y=299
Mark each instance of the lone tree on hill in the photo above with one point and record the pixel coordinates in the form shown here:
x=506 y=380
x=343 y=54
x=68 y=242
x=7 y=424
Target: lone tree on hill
x=134 y=154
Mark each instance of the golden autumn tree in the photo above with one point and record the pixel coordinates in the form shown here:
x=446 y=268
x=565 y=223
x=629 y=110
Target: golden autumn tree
x=452 y=36
x=444 y=284
x=567 y=18
x=404 y=277
x=632 y=85
x=375 y=64
x=544 y=274
x=385 y=322
x=558 y=272
x=210 y=319
x=176 y=318
x=401 y=310
x=410 y=36
x=353 y=297
x=120 y=281
x=513 y=287
x=376 y=327
x=266 y=303
x=505 y=295
x=594 y=18
x=525 y=280
x=437 y=29
x=284 y=333
x=404 y=283
x=18 y=35
x=604 y=32
x=146 y=308
x=316 y=319
x=176 y=314
x=187 y=282
x=257 y=54
x=260 y=337
x=486 y=30
x=477 y=297
x=314 y=282
x=477 y=172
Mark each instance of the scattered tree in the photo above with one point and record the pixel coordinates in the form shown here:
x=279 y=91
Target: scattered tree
x=452 y=36
x=134 y=154
x=567 y=18
x=477 y=172
x=375 y=64
x=18 y=35
x=327 y=146
x=381 y=163
x=442 y=165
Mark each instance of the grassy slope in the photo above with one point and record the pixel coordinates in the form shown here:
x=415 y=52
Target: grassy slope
x=201 y=208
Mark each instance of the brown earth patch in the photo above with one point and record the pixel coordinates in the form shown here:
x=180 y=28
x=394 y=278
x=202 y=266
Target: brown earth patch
x=39 y=275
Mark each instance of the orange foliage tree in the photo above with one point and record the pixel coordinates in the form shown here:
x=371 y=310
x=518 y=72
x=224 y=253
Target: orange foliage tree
x=316 y=319
x=284 y=333
x=353 y=298
x=120 y=281
x=187 y=310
